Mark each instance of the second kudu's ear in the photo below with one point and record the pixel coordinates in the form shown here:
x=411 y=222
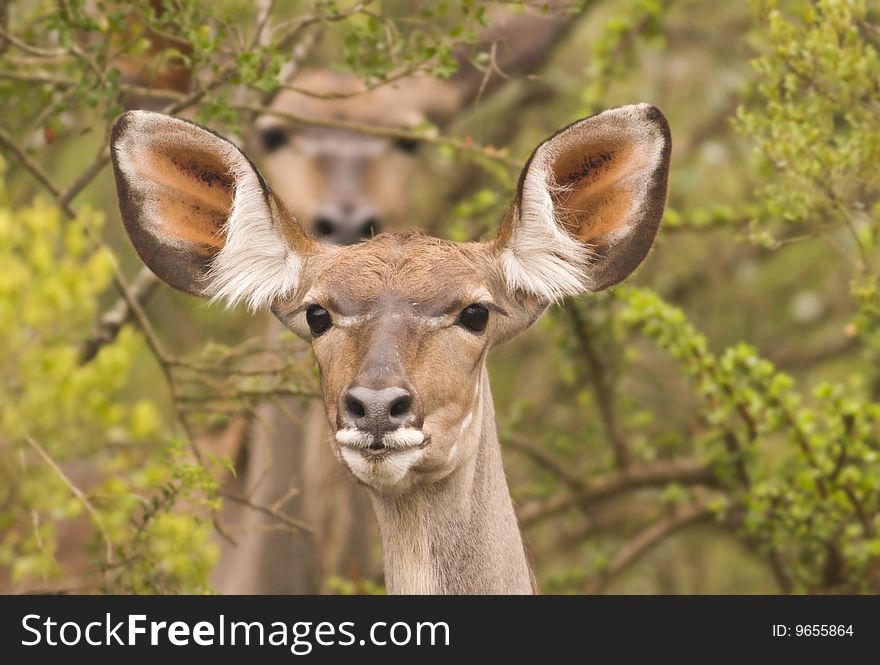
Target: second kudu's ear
x=588 y=204
x=200 y=215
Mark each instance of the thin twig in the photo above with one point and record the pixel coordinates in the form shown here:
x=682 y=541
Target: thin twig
x=610 y=485
x=21 y=45
x=117 y=316
x=4 y=25
x=645 y=541
x=264 y=13
x=78 y=493
x=463 y=146
x=394 y=78
x=249 y=394
x=548 y=461
x=267 y=510
x=33 y=167
x=602 y=388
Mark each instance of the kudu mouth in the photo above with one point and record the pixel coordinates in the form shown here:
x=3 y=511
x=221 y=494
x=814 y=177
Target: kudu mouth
x=371 y=445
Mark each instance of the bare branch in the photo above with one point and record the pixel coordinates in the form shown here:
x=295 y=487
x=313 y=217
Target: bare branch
x=602 y=388
x=271 y=511
x=255 y=395
x=608 y=486
x=35 y=169
x=645 y=541
x=117 y=316
x=519 y=44
x=467 y=147
x=393 y=78
x=4 y=25
x=262 y=37
x=546 y=460
x=9 y=38
x=299 y=54
x=78 y=493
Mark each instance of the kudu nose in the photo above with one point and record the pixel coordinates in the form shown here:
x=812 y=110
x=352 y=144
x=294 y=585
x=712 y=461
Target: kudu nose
x=345 y=231
x=378 y=411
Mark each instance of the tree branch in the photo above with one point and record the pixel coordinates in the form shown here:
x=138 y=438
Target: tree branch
x=645 y=541
x=78 y=493
x=144 y=283
x=118 y=315
x=545 y=459
x=271 y=511
x=602 y=488
x=603 y=389
x=32 y=167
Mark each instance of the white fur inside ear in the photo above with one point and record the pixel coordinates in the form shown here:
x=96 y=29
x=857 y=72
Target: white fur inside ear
x=542 y=258
x=255 y=266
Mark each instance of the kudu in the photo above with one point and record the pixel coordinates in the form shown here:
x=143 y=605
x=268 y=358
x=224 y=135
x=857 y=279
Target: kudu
x=401 y=324
x=343 y=187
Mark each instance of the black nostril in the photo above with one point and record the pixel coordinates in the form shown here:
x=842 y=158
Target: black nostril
x=370 y=228
x=377 y=411
x=355 y=407
x=400 y=406
x=324 y=226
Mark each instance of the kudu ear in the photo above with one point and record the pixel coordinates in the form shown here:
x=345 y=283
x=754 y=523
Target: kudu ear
x=588 y=204
x=199 y=213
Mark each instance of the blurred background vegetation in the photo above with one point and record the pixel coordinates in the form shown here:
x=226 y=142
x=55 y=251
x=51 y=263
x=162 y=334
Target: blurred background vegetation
x=711 y=427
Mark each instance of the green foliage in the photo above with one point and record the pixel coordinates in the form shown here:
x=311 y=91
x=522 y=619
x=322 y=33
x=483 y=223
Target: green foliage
x=65 y=428
x=817 y=126
x=796 y=464
x=343 y=587
x=636 y=23
x=418 y=36
x=805 y=475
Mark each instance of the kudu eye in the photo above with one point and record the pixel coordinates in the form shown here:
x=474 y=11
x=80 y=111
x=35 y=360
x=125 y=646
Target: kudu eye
x=318 y=319
x=273 y=138
x=474 y=318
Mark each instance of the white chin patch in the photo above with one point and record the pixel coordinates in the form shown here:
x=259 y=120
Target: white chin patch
x=381 y=472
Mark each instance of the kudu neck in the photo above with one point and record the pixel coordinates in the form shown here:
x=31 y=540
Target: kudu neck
x=459 y=535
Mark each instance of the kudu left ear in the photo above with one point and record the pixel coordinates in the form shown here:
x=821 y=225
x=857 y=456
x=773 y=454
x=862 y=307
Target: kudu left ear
x=588 y=204
x=200 y=215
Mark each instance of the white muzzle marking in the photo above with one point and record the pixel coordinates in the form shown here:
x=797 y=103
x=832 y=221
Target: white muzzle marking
x=352 y=437
x=403 y=448
x=403 y=438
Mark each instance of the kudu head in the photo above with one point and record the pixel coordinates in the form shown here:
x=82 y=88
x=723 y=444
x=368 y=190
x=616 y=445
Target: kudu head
x=341 y=185
x=401 y=324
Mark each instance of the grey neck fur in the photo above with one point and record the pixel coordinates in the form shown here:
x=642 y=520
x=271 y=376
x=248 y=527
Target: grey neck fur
x=460 y=535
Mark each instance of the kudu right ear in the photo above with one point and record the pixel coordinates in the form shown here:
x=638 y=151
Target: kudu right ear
x=588 y=205
x=200 y=215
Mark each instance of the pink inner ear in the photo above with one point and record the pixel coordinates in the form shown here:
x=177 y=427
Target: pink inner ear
x=594 y=193
x=193 y=192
